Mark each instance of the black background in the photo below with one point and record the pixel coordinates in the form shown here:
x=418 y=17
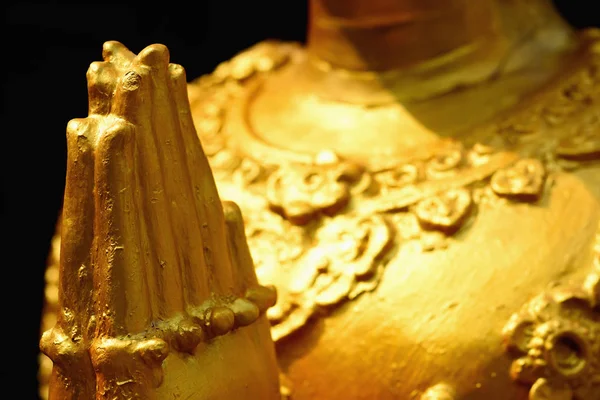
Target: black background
x=46 y=50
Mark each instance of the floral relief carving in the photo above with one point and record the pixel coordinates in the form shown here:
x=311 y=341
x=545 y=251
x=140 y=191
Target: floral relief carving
x=320 y=223
x=522 y=181
x=445 y=162
x=445 y=212
x=301 y=192
x=398 y=176
x=556 y=339
x=350 y=250
x=479 y=154
x=346 y=261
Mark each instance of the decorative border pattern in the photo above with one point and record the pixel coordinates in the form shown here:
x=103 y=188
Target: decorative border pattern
x=328 y=203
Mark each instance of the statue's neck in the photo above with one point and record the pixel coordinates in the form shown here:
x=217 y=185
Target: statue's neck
x=383 y=35
x=388 y=79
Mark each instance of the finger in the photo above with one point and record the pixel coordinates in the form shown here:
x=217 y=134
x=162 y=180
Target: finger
x=134 y=101
x=186 y=225
x=101 y=77
x=244 y=275
x=75 y=282
x=127 y=99
x=155 y=118
x=208 y=206
x=194 y=267
x=65 y=343
x=116 y=53
x=122 y=299
x=127 y=102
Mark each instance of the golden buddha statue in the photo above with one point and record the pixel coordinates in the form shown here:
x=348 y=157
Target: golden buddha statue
x=421 y=185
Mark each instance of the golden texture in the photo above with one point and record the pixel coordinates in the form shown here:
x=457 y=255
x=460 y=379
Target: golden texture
x=157 y=294
x=424 y=195
x=409 y=278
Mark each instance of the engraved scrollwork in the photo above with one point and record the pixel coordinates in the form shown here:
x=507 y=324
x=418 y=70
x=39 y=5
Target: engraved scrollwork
x=556 y=339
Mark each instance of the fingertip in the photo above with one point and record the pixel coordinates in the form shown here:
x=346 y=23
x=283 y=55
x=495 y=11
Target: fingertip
x=77 y=127
x=95 y=68
x=80 y=134
x=179 y=85
x=111 y=48
x=100 y=81
x=115 y=51
x=94 y=72
x=177 y=72
x=244 y=274
x=155 y=55
x=232 y=212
